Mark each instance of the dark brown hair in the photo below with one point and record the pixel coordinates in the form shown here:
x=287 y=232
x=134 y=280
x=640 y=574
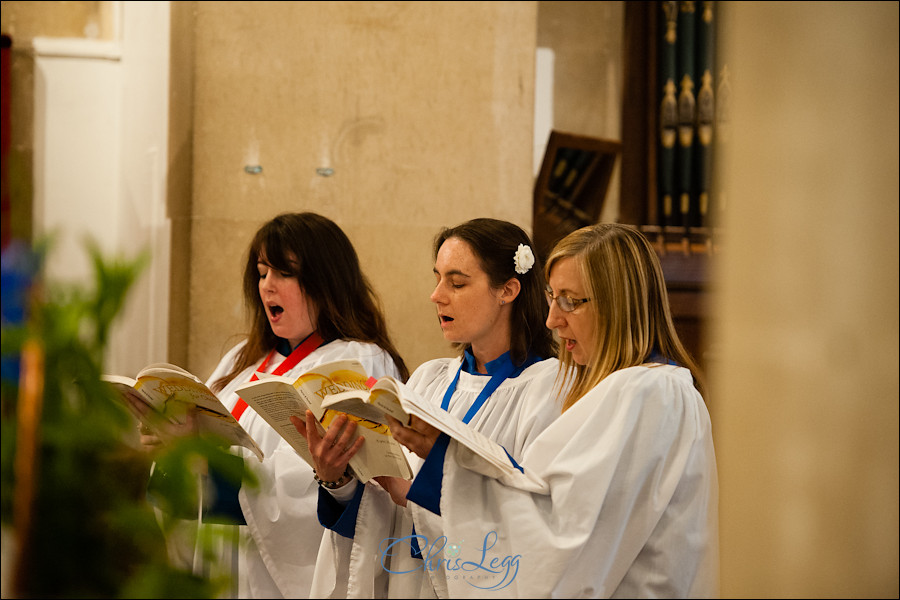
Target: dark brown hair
x=319 y=254
x=494 y=243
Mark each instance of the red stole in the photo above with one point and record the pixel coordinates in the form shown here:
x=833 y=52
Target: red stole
x=300 y=352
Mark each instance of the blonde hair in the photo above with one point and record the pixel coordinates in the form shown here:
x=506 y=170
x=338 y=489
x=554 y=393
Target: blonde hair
x=629 y=304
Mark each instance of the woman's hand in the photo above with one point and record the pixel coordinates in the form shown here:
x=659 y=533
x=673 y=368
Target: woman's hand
x=163 y=431
x=418 y=437
x=331 y=452
x=397 y=487
x=149 y=440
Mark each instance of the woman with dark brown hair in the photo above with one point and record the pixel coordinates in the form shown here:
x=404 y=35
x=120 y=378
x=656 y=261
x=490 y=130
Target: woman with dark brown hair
x=308 y=303
x=489 y=300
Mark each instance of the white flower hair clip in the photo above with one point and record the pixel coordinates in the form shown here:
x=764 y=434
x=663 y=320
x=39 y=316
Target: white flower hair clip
x=524 y=259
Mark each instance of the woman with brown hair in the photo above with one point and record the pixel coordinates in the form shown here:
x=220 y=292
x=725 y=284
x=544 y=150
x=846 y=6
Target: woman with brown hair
x=309 y=303
x=489 y=300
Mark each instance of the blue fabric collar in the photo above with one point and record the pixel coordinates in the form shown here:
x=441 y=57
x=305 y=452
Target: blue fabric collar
x=657 y=357
x=501 y=363
x=498 y=370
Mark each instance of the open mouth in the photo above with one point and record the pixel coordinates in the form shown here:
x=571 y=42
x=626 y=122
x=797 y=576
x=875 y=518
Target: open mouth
x=445 y=318
x=275 y=310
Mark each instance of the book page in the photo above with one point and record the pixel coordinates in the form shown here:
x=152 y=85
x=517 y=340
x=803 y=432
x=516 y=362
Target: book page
x=276 y=400
x=385 y=396
x=355 y=403
x=331 y=378
x=166 y=368
x=437 y=417
x=382 y=399
x=379 y=455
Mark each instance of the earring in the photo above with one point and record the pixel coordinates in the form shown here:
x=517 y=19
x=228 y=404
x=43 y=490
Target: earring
x=502 y=302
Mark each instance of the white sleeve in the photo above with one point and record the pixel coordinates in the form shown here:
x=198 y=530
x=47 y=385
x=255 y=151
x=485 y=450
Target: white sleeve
x=344 y=493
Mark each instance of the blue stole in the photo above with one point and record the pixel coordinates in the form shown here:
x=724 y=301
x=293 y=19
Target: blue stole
x=426 y=488
x=498 y=369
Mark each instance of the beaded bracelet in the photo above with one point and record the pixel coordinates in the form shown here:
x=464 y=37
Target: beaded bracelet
x=333 y=485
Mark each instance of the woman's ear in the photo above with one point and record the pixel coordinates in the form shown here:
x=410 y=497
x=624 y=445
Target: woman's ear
x=510 y=291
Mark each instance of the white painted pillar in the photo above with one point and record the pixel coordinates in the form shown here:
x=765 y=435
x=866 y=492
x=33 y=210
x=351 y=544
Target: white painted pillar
x=100 y=166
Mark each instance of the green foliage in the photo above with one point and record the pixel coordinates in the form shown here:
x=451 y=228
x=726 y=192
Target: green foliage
x=94 y=533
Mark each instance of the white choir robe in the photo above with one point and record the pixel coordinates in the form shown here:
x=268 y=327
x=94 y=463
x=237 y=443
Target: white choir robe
x=619 y=498
x=280 y=542
x=513 y=416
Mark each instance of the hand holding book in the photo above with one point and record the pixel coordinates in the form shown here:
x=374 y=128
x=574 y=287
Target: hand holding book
x=331 y=453
x=282 y=401
x=398 y=400
x=162 y=431
x=418 y=436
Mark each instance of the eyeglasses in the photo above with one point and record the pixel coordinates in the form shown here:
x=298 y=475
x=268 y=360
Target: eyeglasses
x=565 y=303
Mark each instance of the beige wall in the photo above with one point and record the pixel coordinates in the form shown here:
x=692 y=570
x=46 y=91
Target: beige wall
x=25 y=20
x=586 y=39
x=805 y=390
x=424 y=111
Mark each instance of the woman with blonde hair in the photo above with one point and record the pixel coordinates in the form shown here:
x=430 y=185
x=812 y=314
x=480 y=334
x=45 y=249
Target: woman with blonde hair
x=618 y=496
x=619 y=268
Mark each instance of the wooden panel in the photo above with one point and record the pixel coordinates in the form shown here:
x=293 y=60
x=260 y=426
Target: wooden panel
x=686 y=280
x=571 y=187
x=637 y=205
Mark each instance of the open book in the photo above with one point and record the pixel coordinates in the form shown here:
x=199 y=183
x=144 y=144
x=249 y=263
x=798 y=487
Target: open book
x=391 y=397
x=164 y=393
x=332 y=388
x=276 y=399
